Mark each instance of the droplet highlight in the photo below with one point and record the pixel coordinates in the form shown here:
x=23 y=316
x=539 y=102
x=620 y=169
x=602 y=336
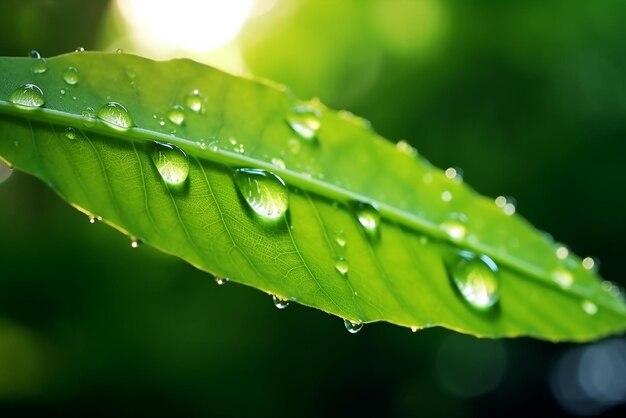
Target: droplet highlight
x=28 y=96
x=369 y=219
x=39 y=65
x=194 y=101
x=263 y=191
x=115 y=115
x=342 y=266
x=454 y=227
x=172 y=164
x=476 y=279
x=176 y=115
x=353 y=326
x=70 y=133
x=70 y=76
x=221 y=280
x=564 y=278
x=589 y=307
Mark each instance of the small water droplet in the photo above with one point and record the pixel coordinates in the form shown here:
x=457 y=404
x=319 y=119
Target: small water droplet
x=414 y=328
x=589 y=307
x=221 y=280
x=70 y=133
x=353 y=326
x=70 y=76
x=446 y=196
x=406 y=148
x=454 y=173
x=90 y=116
x=115 y=115
x=590 y=263
x=93 y=219
x=34 y=54
x=342 y=266
x=176 y=115
x=279 y=302
x=278 y=163
x=612 y=289
x=507 y=204
x=135 y=242
x=28 y=96
x=39 y=65
x=79 y=49
x=119 y=51
x=172 y=164
x=563 y=278
x=340 y=240
x=213 y=145
x=562 y=252
x=265 y=192
x=476 y=278
x=304 y=121
x=354 y=119
x=369 y=218
x=194 y=101
x=454 y=227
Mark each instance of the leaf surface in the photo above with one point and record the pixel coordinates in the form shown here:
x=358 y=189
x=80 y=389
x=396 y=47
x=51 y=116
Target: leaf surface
x=369 y=230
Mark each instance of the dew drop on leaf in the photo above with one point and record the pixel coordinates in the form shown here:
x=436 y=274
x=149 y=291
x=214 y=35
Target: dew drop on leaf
x=279 y=302
x=589 y=307
x=70 y=133
x=476 y=278
x=28 y=96
x=135 y=242
x=278 y=162
x=176 y=115
x=115 y=115
x=70 y=76
x=172 y=164
x=455 y=174
x=454 y=227
x=563 y=278
x=265 y=192
x=590 y=263
x=304 y=121
x=39 y=65
x=194 y=101
x=562 y=252
x=221 y=280
x=369 y=219
x=341 y=265
x=353 y=326
x=406 y=148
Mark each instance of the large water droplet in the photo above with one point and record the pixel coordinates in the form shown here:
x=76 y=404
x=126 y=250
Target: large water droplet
x=454 y=227
x=28 y=96
x=369 y=218
x=70 y=76
x=476 y=278
x=562 y=252
x=279 y=302
x=353 y=326
x=265 y=192
x=194 y=101
x=304 y=121
x=172 y=164
x=176 y=115
x=115 y=115
x=590 y=263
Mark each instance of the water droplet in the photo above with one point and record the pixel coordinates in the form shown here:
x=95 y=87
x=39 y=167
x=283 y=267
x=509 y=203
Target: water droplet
x=135 y=242
x=39 y=65
x=70 y=133
x=119 y=51
x=369 y=218
x=340 y=240
x=115 y=115
x=563 y=278
x=304 y=121
x=562 y=252
x=278 y=163
x=213 y=145
x=353 y=326
x=90 y=116
x=93 y=219
x=172 y=164
x=342 y=266
x=79 y=49
x=612 y=289
x=354 y=119
x=34 y=54
x=279 y=302
x=454 y=227
x=414 y=328
x=406 y=148
x=194 y=101
x=265 y=192
x=176 y=115
x=221 y=280
x=454 y=174
x=589 y=307
x=476 y=278
x=70 y=76
x=507 y=204
x=590 y=263
x=446 y=196
x=29 y=96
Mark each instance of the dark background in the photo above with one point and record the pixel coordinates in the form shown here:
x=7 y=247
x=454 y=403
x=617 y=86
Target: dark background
x=528 y=97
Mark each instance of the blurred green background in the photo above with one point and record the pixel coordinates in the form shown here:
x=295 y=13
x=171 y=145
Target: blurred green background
x=527 y=96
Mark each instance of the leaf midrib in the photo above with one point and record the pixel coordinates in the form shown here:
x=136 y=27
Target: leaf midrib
x=295 y=179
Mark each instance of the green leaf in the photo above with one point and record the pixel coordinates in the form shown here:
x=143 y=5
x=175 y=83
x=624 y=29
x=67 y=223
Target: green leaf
x=242 y=180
